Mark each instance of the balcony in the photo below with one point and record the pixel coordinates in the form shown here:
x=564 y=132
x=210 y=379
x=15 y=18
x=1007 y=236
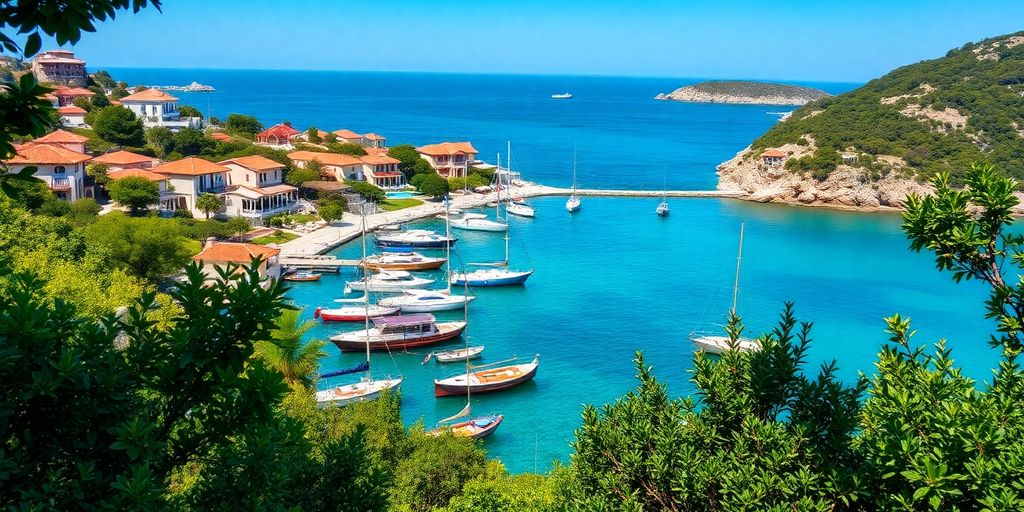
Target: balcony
x=60 y=184
x=216 y=189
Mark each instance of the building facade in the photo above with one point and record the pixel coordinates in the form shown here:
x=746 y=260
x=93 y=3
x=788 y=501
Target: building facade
x=449 y=159
x=192 y=177
x=157 y=108
x=62 y=169
x=256 y=189
x=59 y=67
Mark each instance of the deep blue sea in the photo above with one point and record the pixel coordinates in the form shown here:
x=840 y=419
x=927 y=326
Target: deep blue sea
x=613 y=278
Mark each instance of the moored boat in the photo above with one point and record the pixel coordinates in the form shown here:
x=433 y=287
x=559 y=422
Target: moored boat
x=365 y=389
x=390 y=280
x=716 y=344
x=402 y=261
x=520 y=208
x=562 y=96
x=415 y=238
x=426 y=301
x=662 y=209
x=573 y=203
x=473 y=428
x=451 y=356
x=301 y=277
x=399 y=332
x=478 y=222
x=488 y=378
x=355 y=310
x=490 y=277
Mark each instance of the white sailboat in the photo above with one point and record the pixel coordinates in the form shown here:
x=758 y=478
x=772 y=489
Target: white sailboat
x=389 y=280
x=518 y=207
x=573 y=203
x=498 y=275
x=716 y=344
x=367 y=388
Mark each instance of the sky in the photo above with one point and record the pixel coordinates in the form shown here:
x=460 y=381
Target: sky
x=797 y=40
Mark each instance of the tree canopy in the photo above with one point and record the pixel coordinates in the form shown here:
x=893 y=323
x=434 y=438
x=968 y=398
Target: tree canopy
x=118 y=125
x=240 y=124
x=134 y=192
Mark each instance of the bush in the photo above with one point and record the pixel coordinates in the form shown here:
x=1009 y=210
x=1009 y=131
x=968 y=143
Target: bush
x=85 y=207
x=346 y=148
x=371 y=193
x=118 y=125
x=239 y=124
x=433 y=185
x=135 y=193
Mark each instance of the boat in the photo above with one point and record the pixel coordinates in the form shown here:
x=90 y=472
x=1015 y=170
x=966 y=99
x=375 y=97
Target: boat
x=415 y=238
x=426 y=301
x=478 y=222
x=402 y=261
x=451 y=356
x=474 y=428
x=357 y=310
x=573 y=203
x=367 y=388
x=399 y=332
x=562 y=96
x=488 y=378
x=301 y=277
x=662 y=209
x=389 y=227
x=716 y=344
x=519 y=208
x=388 y=280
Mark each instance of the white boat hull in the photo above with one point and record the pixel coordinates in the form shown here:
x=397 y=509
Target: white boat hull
x=719 y=344
x=427 y=302
x=520 y=210
x=382 y=286
x=572 y=204
x=476 y=224
x=361 y=391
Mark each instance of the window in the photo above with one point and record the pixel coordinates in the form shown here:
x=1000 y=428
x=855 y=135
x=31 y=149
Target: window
x=59 y=169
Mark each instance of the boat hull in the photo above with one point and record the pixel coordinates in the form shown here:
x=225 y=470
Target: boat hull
x=358 y=392
x=470 y=429
x=356 y=314
x=442 y=389
x=493 y=228
x=516 y=278
x=302 y=279
x=432 y=307
x=430 y=264
x=415 y=244
x=448 y=331
x=572 y=206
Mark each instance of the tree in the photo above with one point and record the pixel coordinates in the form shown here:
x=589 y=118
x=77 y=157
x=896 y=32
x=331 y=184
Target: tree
x=243 y=125
x=299 y=176
x=192 y=141
x=119 y=92
x=208 y=204
x=330 y=137
x=329 y=211
x=99 y=100
x=103 y=79
x=161 y=140
x=119 y=126
x=346 y=148
x=371 y=193
x=150 y=248
x=83 y=103
x=313 y=135
x=433 y=185
x=422 y=167
x=98 y=172
x=287 y=352
x=407 y=155
x=135 y=193
x=238 y=226
x=189 y=111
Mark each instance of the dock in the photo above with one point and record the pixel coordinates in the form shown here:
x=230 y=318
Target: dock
x=645 y=193
x=317 y=262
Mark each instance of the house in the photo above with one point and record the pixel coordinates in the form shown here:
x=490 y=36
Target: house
x=256 y=188
x=62 y=169
x=449 y=159
x=127 y=160
x=65 y=139
x=348 y=136
x=192 y=177
x=59 y=67
x=332 y=165
x=382 y=170
x=157 y=108
x=773 y=158
x=372 y=140
x=221 y=254
x=72 y=116
x=170 y=200
x=851 y=159
x=67 y=95
x=280 y=134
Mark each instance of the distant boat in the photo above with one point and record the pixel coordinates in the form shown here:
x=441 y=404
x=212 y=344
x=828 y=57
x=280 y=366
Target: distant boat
x=662 y=209
x=562 y=96
x=415 y=238
x=402 y=261
x=716 y=344
x=399 y=333
x=573 y=203
x=302 y=277
x=452 y=356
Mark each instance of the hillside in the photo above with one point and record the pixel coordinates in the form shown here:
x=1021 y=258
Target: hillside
x=738 y=91
x=865 y=148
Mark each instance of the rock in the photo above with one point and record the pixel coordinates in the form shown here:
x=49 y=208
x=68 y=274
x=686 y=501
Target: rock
x=806 y=197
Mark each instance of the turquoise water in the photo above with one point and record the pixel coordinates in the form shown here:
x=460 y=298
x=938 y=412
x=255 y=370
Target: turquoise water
x=398 y=195
x=613 y=278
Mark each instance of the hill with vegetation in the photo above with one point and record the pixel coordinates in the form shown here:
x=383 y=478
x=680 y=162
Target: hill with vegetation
x=896 y=131
x=741 y=91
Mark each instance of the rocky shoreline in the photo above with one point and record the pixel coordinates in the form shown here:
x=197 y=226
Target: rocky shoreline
x=742 y=92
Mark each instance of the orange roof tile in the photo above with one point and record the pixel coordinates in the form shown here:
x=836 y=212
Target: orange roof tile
x=123 y=158
x=347 y=134
x=62 y=137
x=47 y=154
x=73 y=91
x=372 y=151
x=70 y=110
x=773 y=153
x=447 y=148
x=324 y=158
x=254 y=162
x=138 y=173
x=149 y=95
x=373 y=136
x=221 y=136
x=190 y=166
x=231 y=252
x=379 y=159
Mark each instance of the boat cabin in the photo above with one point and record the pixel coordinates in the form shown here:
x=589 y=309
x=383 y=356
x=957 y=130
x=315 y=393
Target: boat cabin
x=421 y=323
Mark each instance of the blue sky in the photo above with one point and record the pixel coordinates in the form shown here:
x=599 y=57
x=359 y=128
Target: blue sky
x=793 y=40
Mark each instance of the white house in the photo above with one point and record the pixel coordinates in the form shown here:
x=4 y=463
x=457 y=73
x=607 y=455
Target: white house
x=72 y=116
x=157 y=108
x=191 y=177
x=62 y=169
x=256 y=188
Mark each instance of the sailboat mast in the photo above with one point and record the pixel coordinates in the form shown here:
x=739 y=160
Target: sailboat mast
x=574 y=171
x=497 y=207
x=366 y=293
x=736 y=283
x=448 y=245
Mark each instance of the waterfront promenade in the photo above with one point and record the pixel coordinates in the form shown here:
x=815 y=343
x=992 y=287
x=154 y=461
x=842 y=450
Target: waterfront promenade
x=348 y=228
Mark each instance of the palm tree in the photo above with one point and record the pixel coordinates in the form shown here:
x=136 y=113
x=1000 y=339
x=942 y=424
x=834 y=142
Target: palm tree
x=287 y=353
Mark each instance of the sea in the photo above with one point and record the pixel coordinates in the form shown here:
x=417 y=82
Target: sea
x=613 y=279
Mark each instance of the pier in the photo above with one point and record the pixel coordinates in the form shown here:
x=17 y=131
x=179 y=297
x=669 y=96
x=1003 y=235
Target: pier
x=317 y=262
x=642 y=193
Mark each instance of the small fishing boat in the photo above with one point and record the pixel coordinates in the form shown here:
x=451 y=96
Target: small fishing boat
x=415 y=238
x=716 y=344
x=520 y=208
x=426 y=301
x=474 y=428
x=573 y=203
x=355 y=310
x=562 y=96
x=399 y=332
x=301 y=277
x=478 y=222
x=389 y=280
x=488 y=378
x=451 y=356
x=402 y=261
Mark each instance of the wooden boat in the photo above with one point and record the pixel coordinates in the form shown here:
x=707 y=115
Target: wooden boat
x=402 y=261
x=302 y=277
x=354 y=310
x=474 y=428
x=716 y=344
x=488 y=378
x=399 y=332
x=415 y=238
x=451 y=356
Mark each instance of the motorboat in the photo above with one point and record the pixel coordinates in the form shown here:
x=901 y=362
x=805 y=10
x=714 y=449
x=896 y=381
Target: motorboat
x=478 y=222
x=426 y=301
x=366 y=389
x=353 y=310
x=488 y=378
x=399 y=332
x=451 y=356
x=562 y=96
x=302 y=277
x=402 y=261
x=389 y=280
x=519 y=208
x=415 y=238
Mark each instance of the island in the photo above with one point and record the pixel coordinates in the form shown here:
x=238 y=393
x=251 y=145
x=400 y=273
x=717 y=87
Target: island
x=745 y=92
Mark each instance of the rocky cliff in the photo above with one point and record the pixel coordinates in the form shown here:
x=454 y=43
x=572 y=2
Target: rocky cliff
x=735 y=91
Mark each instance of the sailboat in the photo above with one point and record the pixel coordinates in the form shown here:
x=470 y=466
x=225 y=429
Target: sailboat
x=367 y=388
x=389 y=280
x=479 y=221
x=513 y=206
x=716 y=344
x=662 y=209
x=353 y=310
x=573 y=203
x=489 y=377
x=499 y=275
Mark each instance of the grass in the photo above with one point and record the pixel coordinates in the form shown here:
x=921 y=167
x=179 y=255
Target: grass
x=194 y=246
x=279 y=237
x=398 y=204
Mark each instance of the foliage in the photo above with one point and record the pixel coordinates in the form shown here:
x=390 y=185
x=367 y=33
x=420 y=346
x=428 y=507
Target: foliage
x=471 y=181
x=238 y=226
x=98 y=172
x=422 y=167
x=208 y=204
x=313 y=134
x=240 y=124
x=99 y=100
x=146 y=247
x=286 y=351
x=278 y=237
x=118 y=93
x=495 y=489
x=192 y=141
x=432 y=185
x=118 y=125
x=371 y=193
x=31 y=194
x=400 y=204
x=82 y=103
x=189 y=111
x=311 y=172
x=85 y=207
x=103 y=79
x=161 y=140
x=135 y=193
x=346 y=148
x=435 y=470
x=329 y=210
x=407 y=156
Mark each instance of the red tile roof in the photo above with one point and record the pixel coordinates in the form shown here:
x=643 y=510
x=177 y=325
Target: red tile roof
x=50 y=154
x=254 y=162
x=71 y=110
x=324 y=158
x=773 y=153
x=221 y=252
x=279 y=131
x=73 y=91
x=373 y=136
x=221 y=136
x=347 y=134
x=190 y=166
x=149 y=95
x=379 y=159
x=123 y=158
x=62 y=137
x=448 y=148
x=138 y=173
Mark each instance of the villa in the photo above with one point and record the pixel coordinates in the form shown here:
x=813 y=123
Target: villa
x=216 y=255
x=191 y=177
x=59 y=67
x=127 y=160
x=72 y=116
x=348 y=136
x=280 y=134
x=170 y=200
x=449 y=159
x=157 y=108
x=63 y=96
x=773 y=158
x=375 y=167
x=62 y=169
x=372 y=140
x=382 y=170
x=256 y=188
x=65 y=139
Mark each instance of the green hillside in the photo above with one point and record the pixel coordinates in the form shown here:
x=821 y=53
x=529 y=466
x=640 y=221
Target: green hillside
x=748 y=88
x=906 y=114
